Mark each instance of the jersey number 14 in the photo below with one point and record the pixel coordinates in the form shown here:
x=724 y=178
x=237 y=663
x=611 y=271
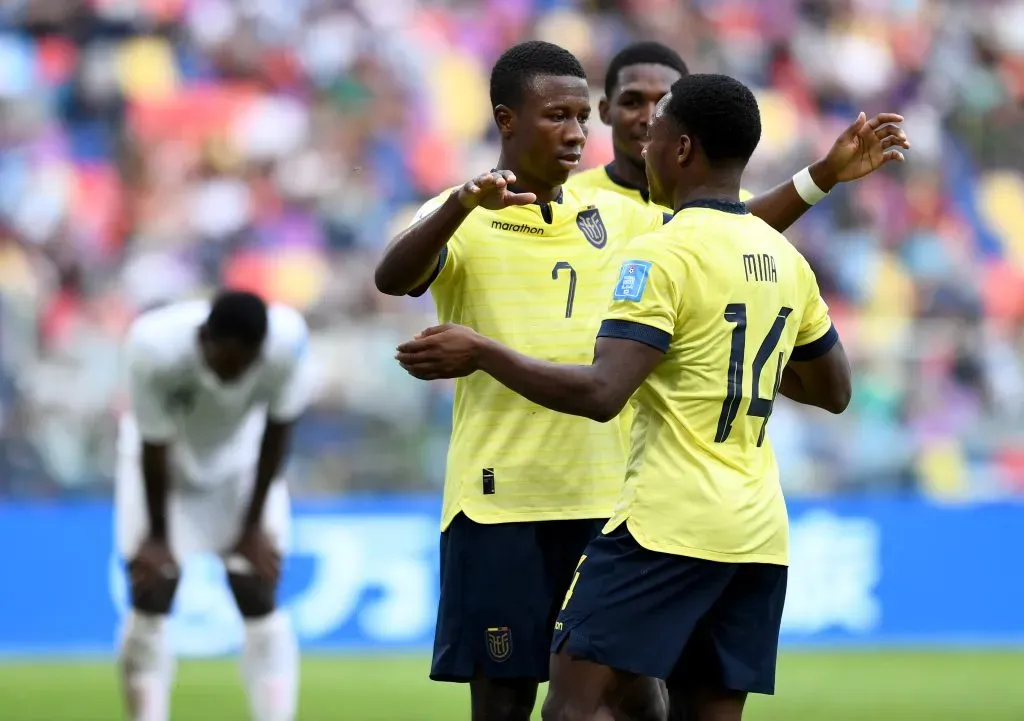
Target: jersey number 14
x=759 y=407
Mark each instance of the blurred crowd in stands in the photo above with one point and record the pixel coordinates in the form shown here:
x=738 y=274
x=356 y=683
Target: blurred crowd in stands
x=152 y=150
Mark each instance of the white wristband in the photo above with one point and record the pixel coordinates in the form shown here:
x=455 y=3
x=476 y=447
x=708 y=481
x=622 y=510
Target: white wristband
x=806 y=188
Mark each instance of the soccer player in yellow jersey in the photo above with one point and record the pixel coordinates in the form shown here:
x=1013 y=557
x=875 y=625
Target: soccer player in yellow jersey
x=639 y=76
x=518 y=257
x=712 y=316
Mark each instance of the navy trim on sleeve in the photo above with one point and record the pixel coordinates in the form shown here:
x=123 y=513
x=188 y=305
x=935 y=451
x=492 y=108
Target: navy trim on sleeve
x=441 y=259
x=816 y=348
x=639 y=332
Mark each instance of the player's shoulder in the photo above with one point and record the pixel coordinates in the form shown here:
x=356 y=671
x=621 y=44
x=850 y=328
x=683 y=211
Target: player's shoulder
x=614 y=207
x=287 y=333
x=432 y=204
x=163 y=335
x=588 y=179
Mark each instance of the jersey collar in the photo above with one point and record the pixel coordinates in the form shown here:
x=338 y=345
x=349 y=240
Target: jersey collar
x=623 y=183
x=545 y=208
x=724 y=206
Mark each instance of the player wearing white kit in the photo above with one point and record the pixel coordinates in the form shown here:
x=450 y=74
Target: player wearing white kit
x=215 y=389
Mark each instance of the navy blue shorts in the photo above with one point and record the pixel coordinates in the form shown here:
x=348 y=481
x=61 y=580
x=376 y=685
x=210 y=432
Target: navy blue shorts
x=686 y=620
x=502 y=586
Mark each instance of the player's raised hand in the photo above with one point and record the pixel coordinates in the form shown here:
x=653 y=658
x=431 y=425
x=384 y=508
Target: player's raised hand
x=256 y=547
x=153 y=564
x=865 y=146
x=445 y=351
x=491 y=191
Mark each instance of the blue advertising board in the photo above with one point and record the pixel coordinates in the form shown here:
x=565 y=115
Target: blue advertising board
x=362 y=575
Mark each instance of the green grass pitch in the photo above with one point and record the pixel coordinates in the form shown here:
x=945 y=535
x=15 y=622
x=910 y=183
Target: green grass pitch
x=854 y=686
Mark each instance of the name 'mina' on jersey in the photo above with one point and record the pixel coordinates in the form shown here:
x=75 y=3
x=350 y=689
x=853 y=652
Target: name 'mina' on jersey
x=535 y=278
x=605 y=178
x=214 y=428
x=730 y=301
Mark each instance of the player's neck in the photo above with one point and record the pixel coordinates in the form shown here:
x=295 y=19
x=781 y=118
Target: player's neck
x=724 y=189
x=525 y=183
x=626 y=172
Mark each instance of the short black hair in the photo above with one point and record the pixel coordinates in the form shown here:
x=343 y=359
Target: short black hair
x=239 y=316
x=645 y=53
x=521 y=63
x=720 y=112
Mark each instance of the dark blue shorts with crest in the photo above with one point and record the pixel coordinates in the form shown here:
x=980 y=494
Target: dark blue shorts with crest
x=689 y=621
x=502 y=586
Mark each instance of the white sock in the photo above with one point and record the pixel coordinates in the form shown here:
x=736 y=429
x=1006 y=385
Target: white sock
x=147 y=668
x=270 y=667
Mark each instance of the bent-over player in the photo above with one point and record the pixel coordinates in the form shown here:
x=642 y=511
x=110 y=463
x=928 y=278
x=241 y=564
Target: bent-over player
x=215 y=389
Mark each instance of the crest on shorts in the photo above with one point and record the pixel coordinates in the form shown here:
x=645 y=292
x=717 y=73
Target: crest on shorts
x=499 y=643
x=181 y=399
x=590 y=224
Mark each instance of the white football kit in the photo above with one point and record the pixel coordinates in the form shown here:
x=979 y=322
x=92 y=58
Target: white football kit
x=214 y=429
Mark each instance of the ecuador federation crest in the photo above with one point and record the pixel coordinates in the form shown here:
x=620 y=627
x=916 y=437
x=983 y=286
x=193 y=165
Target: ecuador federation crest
x=590 y=224
x=499 y=643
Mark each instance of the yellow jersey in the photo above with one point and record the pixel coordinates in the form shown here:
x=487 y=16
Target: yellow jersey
x=535 y=278
x=730 y=301
x=605 y=178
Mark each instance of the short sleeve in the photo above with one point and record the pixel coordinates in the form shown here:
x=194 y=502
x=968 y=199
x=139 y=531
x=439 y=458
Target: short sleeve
x=293 y=390
x=447 y=261
x=147 y=395
x=817 y=335
x=646 y=301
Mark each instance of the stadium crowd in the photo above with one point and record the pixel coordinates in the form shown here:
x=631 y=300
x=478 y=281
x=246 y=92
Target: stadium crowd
x=155 y=149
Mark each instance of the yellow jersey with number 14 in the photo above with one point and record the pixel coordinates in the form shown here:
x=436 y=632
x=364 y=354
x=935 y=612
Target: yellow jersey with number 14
x=535 y=278
x=730 y=301
x=605 y=178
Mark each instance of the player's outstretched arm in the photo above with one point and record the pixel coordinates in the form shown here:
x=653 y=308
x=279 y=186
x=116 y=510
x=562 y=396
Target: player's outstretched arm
x=598 y=391
x=413 y=256
x=824 y=382
x=864 y=147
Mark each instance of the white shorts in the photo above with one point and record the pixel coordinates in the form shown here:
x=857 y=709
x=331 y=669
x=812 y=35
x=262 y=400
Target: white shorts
x=199 y=520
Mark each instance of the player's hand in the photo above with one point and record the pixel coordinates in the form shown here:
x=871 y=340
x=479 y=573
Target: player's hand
x=864 y=147
x=445 y=351
x=256 y=547
x=153 y=564
x=491 y=191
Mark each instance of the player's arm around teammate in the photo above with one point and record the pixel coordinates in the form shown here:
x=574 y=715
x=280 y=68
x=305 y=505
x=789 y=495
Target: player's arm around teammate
x=641 y=74
x=864 y=147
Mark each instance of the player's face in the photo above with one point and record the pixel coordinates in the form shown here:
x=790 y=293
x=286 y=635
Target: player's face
x=661 y=156
x=631 y=107
x=549 y=129
x=228 y=359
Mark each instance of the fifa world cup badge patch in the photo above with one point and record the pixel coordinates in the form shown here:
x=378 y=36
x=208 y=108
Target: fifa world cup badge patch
x=632 y=280
x=590 y=224
x=499 y=643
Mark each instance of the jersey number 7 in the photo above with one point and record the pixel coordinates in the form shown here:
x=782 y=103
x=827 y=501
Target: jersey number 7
x=759 y=407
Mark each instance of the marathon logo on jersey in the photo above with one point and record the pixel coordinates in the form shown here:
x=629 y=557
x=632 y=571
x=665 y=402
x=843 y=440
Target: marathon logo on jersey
x=632 y=280
x=499 y=643
x=590 y=224
x=517 y=228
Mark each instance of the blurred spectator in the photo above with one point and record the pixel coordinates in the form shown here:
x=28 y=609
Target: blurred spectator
x=153 y=149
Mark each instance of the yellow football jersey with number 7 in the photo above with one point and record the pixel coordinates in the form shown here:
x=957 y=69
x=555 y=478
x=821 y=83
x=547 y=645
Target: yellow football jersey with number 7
x=536 y=279
x=730 y=301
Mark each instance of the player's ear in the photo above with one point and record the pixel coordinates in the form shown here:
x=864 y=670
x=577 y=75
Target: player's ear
x=603 y=110
x=504 y=118
x=684 y=152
